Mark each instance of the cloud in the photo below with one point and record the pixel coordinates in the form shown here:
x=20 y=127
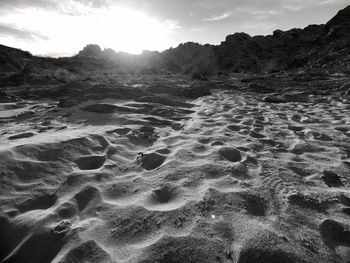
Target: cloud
x=265 y=12
x=297 y=5
x=209 y=4
x=254 y=13
x=72 y=7
x=23 y=34
x=217 y=17
x=14 y=4
x=96 y=3
x=294 y=7
x=53 y=3
x=332 y=2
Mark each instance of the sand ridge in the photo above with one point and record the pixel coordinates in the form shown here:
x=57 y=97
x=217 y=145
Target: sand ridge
x=231 y=179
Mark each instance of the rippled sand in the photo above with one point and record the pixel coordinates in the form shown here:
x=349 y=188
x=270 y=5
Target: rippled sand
x=228 y=178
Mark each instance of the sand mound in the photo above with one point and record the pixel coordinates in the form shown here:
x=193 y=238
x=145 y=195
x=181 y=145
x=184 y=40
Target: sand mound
x=183 y=249
x=88 y=251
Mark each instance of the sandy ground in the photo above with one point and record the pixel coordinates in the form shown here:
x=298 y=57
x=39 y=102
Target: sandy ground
x=231 y=179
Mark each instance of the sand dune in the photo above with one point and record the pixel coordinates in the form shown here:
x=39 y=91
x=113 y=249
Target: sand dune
x=230 y=178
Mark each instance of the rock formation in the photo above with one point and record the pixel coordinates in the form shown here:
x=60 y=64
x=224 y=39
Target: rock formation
x=325 y=47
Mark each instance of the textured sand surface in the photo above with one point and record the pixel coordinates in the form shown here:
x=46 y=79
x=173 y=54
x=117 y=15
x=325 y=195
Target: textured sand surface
x=230 y=179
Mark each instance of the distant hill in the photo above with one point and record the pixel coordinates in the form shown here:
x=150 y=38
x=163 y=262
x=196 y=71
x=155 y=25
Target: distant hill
x=12 y=59
x=325 y=47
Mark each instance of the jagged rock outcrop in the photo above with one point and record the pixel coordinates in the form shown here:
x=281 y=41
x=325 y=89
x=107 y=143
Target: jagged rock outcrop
x=92 y=51
x=316 y=47
x=190 y=58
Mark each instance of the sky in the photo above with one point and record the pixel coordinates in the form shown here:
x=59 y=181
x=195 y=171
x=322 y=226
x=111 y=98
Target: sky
x=63 y=27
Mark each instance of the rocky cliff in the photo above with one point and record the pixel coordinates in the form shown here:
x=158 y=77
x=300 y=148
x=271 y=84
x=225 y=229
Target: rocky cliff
x=321 y=47
x=316 y=46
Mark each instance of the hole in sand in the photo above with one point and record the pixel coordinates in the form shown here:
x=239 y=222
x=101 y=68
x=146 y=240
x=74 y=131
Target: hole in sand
x=41 y=202
x=234 y=127
x=322 y=137
x=231 y=154
x=152 y=161
x=144 y=136
x=334 y=233
x=22 y=135
x=216 y=143
x=163 y=194
x=85 y=196
x=204 y=140
x=42 y=246
x=295 y=128
x=10 y=236
x=345 y=200
x=254 y=205
x=90 y=162
x=307 y=202
x=257 y=255
x=346 y=210
x=121 y=131
x=164 y=151
x=256 y=135
x=332 y=179
x=67 y=210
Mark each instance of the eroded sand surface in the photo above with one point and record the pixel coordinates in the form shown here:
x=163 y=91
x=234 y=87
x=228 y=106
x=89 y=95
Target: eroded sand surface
x=231 y=179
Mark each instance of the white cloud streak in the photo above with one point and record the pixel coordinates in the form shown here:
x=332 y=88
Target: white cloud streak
x=217 y=17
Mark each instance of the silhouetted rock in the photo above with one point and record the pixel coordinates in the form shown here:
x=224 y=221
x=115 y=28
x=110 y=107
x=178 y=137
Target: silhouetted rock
x=190 y=58
x=91 y=51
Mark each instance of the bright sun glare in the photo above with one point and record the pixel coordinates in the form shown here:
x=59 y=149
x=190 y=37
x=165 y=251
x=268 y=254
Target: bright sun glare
x=119 y=28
